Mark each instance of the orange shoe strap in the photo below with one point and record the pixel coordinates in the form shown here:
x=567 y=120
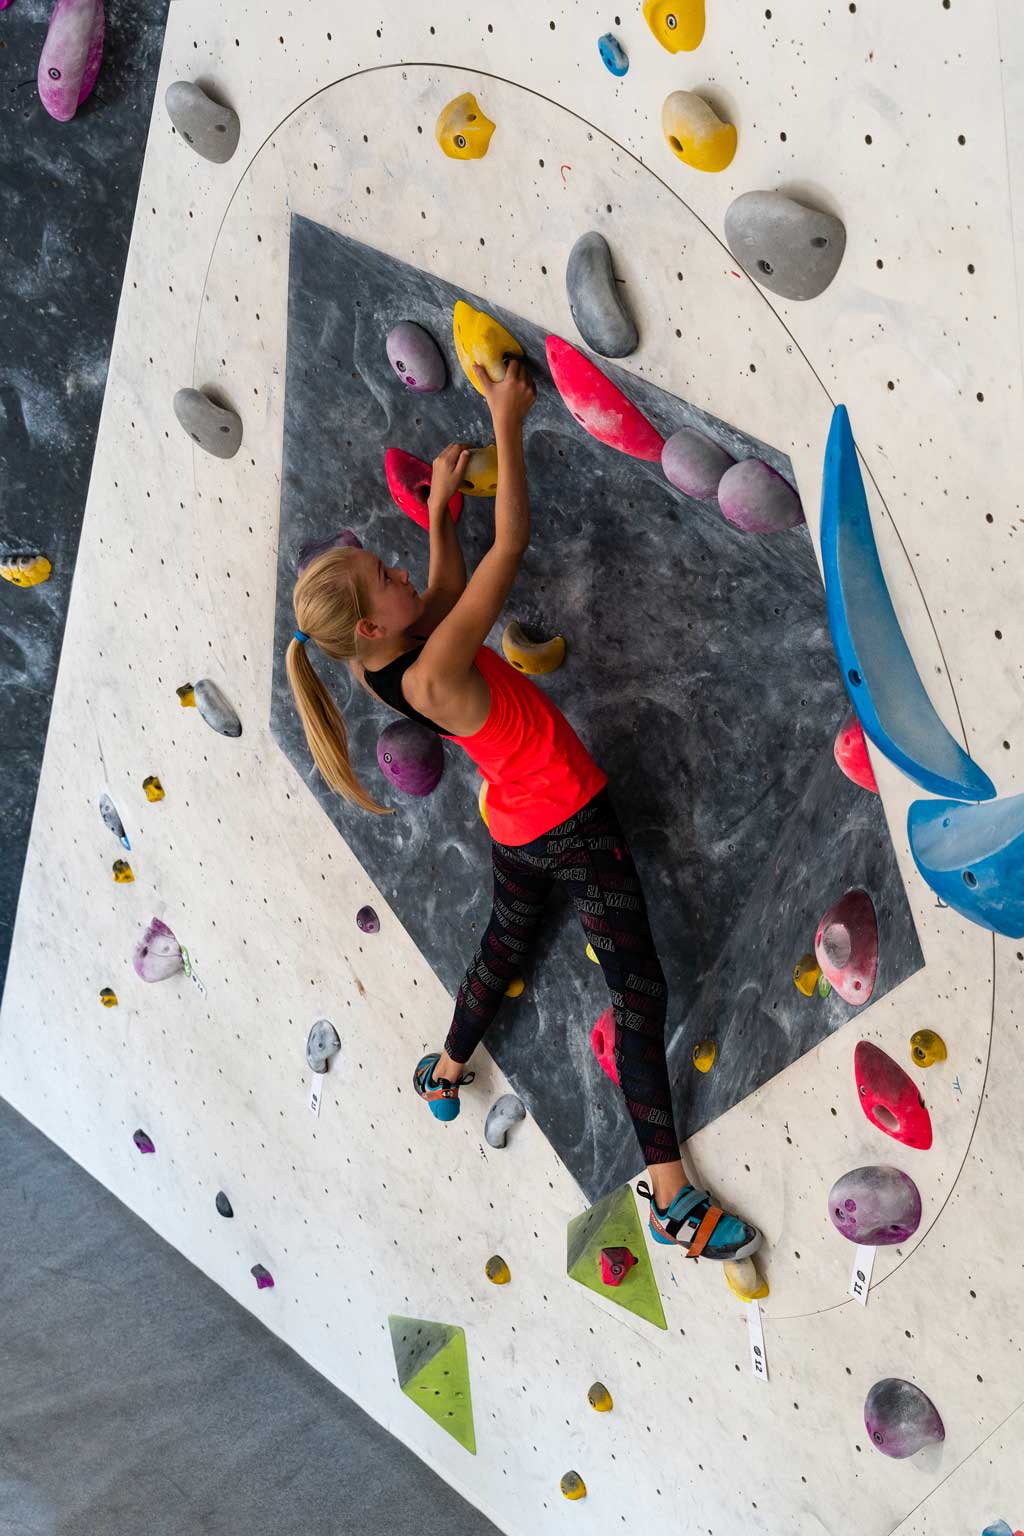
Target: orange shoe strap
x=702 y=1236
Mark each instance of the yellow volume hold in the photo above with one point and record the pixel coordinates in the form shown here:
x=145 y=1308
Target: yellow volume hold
x=677 y=24
x=481 y=477
x=744 y=1280
x=462 y=130
x=479 y=338
x=535 y=657
x=695 y=133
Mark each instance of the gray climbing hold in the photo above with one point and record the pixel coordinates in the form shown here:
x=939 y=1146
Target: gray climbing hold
x=755 y=498
x=207 y=127
x=601 y=317
x=215 y=709
x=223 y=1204
x=322 y=1044
x=108 y=810
x=217 y=429
x=785 y=246
x=502 y=1115
x=694 y=464
x=900 y=1418
x=416 y=358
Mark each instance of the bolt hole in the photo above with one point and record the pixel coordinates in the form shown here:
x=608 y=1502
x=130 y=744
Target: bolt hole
x=970 y=879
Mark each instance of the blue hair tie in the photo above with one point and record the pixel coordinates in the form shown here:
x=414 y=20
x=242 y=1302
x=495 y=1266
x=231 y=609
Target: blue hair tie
x=300 y=637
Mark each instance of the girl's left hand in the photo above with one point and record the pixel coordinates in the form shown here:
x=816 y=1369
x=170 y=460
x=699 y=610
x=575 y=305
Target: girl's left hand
x=447 y=472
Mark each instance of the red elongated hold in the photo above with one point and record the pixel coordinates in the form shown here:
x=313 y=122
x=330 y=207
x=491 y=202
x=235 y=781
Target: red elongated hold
x=846 y=946
x=599 y=405
x=890 y=1098
x=409 y=483
x=602 y=1041
x=851 y=753
x=616 y=1264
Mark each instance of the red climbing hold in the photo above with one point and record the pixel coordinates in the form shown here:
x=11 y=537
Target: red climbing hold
x=616 y=1264
x=851 y=753
x=602 y=1040
x=846 y=946
x=409 y=483
x=599 y=405
x=890 y=1098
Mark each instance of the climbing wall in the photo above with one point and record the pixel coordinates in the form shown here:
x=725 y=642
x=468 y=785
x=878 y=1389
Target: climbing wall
x=372 y=1220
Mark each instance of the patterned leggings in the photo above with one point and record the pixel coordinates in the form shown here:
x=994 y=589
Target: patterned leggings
x=589 y=853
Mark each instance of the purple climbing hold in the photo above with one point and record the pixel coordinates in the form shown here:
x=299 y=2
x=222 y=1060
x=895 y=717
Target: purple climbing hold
x=143 y=1142
x=367 y=920
x=411 y=757
x=875 y=1206
x=71 y=56
x=343 y=539
x=900 y=1419
x=755 y=498
x=264 y=1279
x=694 y=463
x=416 y=358
x=157 y=954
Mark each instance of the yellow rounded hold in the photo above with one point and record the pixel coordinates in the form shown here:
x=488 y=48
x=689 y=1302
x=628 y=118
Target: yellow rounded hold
x=497 y=1271
x=123 y=872
x=677 y=24
x=515 y=988
x=591 y=955
x=744 y=1280
x=481 y=477
x=805 y=974
x=186 y=696
x=154 y=789
x=26 y=570
x=535 y=657
x=695 y=133
x=462 y=130
x=108 y=998
x=482 y=802
x=927 y=1048
x=704 y=1055
x=573 y=1486
x=479 y=338
x=599 y=1397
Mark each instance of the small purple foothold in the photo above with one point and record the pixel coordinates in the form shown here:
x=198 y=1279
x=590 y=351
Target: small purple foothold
x=264 y=1279
x=367 y=920
x=143 y=1142
x=694 y=463
x=309 y=552
x=900 y=1419
x=875 y=1206
x=157 y=954
x=414 y=355
x=756 y=499
x=411 y=757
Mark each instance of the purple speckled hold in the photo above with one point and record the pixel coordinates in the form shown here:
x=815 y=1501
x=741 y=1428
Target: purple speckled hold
x=900 y=1419
x=343 y=539
x=415 y=357
x=875 y=1206
x=157 y=954
x=71 y=56
x=367 y=920
x=411 y=757
x=755 y=498
x=694 y=464
x=143 y=1142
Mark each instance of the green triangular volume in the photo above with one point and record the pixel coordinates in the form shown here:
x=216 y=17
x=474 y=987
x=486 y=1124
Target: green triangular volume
x=614 y=1222
x=433 y=1371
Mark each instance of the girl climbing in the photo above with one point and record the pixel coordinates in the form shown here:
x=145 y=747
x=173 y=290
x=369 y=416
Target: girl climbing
x=548 y=806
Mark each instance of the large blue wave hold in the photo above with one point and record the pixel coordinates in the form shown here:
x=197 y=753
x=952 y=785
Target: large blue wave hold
x=972 y=856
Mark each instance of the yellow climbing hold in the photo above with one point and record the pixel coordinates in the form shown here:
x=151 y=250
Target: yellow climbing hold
x=108 y=998
x=515 y=988
x=599 y=1397
x=123 y=872
x=704 y=1054
x=927 y=1048
x=154 y=789
x=482 y=802
x=591 y=955
x=677 y=24
x=462 y=130
x=744 y=1280
x=573 y=1486
x=186 y=696
x=497 y=1271
x=535 y=657
x=695 y=133
x=805 y=974
x=479 y=338
x=25 y=570
x=481 y=477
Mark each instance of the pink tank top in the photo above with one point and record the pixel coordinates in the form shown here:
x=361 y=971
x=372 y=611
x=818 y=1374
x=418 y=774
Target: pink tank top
x=538 y=771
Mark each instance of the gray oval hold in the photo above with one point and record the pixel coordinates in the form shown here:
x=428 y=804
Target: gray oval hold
x=415 y=357
x=694 y=464
x=215 y=428
x=601 y=317
x=755 y=498
x=503 y=1114
x=207 y=127
x=321 y=1044
x=215 y=709
x=783 y=245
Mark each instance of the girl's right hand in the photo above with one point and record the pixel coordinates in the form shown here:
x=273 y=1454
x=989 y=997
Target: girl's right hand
x=511 y=399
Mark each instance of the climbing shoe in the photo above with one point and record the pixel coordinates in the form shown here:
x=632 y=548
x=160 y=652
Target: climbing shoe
x=702 y=1230
x=442 y=1097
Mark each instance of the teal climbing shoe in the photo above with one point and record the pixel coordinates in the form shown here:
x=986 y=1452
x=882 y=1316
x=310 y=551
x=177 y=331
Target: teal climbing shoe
x=442 y=1097
x=701 y=1229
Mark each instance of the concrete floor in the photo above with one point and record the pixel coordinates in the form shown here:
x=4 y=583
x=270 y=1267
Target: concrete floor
x=135 y=1395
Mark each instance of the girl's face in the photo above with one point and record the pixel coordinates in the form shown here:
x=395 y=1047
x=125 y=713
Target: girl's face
x=394 y=603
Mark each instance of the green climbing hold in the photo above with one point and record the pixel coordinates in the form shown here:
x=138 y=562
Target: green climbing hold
x=614 y=1222
x=433 y=1372
x=824 y=985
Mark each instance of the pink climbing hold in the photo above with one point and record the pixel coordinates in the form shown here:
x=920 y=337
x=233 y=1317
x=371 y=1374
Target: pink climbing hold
x=142 y=1141
x=409 y=483
x=890 y=1098
x=599 y=405
x=851 y=754
x=602 y=1040
x=264 y=1279
x=71 y=56
x=616 y=1264
x=846 y=946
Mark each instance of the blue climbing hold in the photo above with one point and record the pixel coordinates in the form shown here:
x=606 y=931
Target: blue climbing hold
x=613 y=55
x=972 y=856
x=878 y=669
